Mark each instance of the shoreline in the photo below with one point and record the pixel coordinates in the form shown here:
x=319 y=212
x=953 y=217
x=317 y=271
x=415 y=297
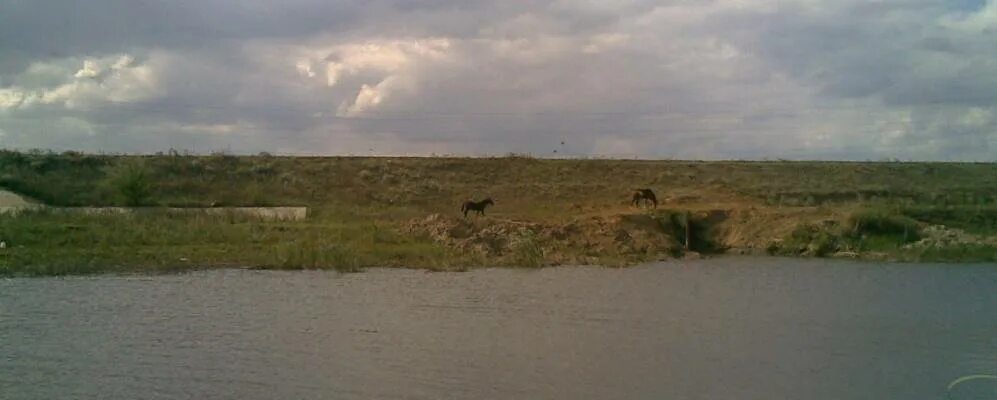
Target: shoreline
x=405 y=212
x=166 y=242
x=171 y=270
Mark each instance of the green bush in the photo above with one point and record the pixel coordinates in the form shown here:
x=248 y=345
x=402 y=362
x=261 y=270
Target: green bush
x=55 y=179
x=872 y=222
x=131 y=182
x=811 y=240
x=974 y=219
x=527 y=251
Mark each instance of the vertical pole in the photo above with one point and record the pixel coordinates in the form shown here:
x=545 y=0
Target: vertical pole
x=688 y=230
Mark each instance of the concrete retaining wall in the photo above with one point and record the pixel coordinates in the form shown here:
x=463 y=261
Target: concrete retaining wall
x=12 y=203
x=264 y=213
x=14 y=210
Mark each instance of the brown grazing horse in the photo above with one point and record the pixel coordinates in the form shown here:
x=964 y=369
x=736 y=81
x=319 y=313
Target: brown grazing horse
x=478 y=206
x=643 y=196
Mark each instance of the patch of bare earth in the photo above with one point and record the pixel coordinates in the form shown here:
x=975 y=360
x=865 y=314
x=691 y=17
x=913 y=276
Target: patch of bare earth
x=582 y=241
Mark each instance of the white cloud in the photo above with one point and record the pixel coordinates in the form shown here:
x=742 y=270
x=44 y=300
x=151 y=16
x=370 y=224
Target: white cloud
x=11 y=98
x=385 y=57
x=982 y=21
x=370 y=97
x=215 y=129
x=109 y=79
x=90 y=70
x=601 y=42
x=380 y=68
x=304 y=68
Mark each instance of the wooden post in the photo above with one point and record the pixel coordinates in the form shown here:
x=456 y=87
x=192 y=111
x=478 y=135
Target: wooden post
x=688 y=230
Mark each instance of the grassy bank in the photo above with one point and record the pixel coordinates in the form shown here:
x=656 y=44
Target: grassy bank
x=46 y=243
x=403 y=211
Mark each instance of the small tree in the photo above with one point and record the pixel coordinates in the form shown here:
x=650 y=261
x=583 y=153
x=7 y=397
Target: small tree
x=131 y=182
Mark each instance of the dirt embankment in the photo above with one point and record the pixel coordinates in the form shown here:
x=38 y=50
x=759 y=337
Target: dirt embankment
x=12 y=203
x=622 y=238
x=585 y=241
x=10 y=199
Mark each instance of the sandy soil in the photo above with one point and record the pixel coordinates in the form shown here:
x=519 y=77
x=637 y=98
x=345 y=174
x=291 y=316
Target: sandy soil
x=8 y=199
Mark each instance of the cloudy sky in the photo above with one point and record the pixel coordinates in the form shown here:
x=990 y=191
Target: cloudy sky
x=688 y=79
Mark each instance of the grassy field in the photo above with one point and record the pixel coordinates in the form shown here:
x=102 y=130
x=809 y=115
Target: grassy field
x=369 y=211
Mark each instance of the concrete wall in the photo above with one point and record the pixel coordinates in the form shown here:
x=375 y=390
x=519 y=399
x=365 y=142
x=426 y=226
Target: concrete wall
x=13 y=204
x=264 y=213
x=14 y=210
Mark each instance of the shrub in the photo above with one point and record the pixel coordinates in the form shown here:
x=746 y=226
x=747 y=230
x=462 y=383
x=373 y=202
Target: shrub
x=131 y=182
x=974 y=219
x=873 y=222
x=313 y=254
x=810 y=240
x=527 y=251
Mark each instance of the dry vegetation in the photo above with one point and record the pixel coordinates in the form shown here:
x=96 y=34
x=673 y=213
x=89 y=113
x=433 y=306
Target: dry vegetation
x=404 y=211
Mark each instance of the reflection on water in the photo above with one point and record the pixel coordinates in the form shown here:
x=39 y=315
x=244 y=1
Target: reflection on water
x=729 y=328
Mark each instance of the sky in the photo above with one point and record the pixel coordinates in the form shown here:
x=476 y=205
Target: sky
x=678 y=79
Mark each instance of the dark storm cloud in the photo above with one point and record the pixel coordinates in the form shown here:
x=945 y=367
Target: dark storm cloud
x=900 y=50
x=65 y=28
x=686 y=79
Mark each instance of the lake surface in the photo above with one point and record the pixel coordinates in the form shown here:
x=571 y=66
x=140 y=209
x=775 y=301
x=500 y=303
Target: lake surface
x=727 y=328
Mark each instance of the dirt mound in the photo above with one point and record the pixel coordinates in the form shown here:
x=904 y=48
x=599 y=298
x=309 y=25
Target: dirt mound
x=11 y=199
x=491 y=237
x=584 y=241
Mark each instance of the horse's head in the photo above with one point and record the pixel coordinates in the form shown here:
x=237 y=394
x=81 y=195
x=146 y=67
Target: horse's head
x=489 y=201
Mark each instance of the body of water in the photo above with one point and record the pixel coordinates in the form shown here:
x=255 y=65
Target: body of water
x=726 y=328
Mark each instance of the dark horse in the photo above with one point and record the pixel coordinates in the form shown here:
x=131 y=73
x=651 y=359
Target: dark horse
x=478 y=206
x=643 y=195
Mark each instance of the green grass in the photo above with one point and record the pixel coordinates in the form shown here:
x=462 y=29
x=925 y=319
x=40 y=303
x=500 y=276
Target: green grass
x=527 y=187
x=527 y=251
x=357 y=204
x=48 y=243
x=955 y=253
x=864 y=230
x=979 y=219
x=881 y=222
x=888 y=233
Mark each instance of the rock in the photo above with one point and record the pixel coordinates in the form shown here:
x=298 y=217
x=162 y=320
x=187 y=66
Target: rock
x=623 y=236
